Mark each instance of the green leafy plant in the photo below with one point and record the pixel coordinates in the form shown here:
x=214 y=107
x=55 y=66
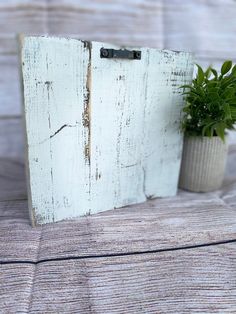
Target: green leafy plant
x=210 y=107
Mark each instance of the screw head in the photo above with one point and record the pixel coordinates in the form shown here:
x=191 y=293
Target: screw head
x=104 y=52
x=137 y=55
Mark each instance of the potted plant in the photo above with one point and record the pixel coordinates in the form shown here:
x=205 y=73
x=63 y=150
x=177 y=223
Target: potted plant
x=210 y=111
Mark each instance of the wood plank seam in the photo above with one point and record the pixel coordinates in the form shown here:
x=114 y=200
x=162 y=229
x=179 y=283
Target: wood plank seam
x=187 y=247
x=34 y=274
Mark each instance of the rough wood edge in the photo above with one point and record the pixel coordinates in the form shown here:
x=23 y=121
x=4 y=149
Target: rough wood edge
x=21 y=40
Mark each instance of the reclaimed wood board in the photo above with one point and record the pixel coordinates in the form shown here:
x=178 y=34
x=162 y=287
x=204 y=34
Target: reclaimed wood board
x=101 y=133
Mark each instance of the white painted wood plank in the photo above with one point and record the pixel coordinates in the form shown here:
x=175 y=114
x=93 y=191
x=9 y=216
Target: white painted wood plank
x=55 y=73
x=117 y=101
x=145 y=119
x=109 y=117
x=162 y=121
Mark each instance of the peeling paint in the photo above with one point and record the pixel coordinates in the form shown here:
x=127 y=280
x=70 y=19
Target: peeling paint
x=88 y=213
x=97 y=175
x=47 y=83
x=86 y=119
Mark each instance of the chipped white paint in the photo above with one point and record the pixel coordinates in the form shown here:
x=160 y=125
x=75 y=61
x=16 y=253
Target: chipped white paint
x=101 y=133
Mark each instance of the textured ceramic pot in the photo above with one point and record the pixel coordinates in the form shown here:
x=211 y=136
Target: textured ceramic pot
x=203 y=163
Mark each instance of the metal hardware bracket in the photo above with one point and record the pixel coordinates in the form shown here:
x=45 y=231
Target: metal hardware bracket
x=120 y=54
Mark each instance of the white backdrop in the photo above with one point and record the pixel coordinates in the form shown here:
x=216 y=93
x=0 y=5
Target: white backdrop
x=206 y=27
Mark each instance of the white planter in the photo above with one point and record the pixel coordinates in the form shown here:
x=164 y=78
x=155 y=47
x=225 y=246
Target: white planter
x=203 y=163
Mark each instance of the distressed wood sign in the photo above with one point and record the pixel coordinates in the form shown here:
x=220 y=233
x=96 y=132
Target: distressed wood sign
x=102 y=125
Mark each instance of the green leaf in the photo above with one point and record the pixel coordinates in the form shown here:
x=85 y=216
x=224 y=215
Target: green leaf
x=200 y=74
x=212 y=86
x=220 y=130
x=227 y=92
x=213 y=96
x=227 y=111
x=207 y=130
x=233 y=113
x=186 y=86
x=233 y=71
x=227 y=81
x=226 y=67
x=208 y=72
x=214 y=72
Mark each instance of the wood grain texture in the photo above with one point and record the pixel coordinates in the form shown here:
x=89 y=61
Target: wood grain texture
x=203 y=280
x=135 y=23
x=208 y=28
x=118 y=128
x=138 y=22
x=12 y=179
x=9 y=87
x=21 y=16
x=16 y=283
x=158 y=224
x=11 y=139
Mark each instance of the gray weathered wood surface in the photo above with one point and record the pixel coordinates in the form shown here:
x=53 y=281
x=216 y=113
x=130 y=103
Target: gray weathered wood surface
x=198 y=280
x=173 y=255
